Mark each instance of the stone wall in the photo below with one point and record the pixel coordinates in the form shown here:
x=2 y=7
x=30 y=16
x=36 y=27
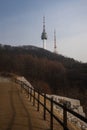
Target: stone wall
x=24 y=80
x=72 y=104
x=3 y=79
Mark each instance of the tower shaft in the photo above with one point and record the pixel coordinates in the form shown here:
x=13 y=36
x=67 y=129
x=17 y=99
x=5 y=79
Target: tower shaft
x=44 y=43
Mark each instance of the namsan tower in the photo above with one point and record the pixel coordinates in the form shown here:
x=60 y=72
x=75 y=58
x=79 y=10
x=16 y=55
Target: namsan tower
x=55 y=46
x=44 y=34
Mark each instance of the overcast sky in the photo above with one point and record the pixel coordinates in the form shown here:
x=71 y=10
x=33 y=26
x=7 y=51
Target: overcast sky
x=21 y=24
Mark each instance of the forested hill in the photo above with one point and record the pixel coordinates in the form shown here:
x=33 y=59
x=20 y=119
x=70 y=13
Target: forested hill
x=49 y=72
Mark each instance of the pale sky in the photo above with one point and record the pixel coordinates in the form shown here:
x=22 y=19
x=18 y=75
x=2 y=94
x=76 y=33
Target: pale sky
x=21 y=24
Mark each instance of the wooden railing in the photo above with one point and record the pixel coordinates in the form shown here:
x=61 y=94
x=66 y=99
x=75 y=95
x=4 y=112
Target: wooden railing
x=34 y=95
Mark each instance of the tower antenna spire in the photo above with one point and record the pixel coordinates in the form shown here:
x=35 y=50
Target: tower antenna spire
x=44 y=34
x=44 y=23
x=55 y=46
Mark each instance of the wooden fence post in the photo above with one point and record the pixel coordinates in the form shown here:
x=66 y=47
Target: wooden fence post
x=51 y=115
x=38 y=105
x=65 y=116
x=28 y=91
x=34 y=97
x=21 y=86
x=44 y=115
x=30 y=94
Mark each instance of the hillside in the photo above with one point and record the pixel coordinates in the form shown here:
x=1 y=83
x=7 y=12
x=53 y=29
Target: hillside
x=49 y=72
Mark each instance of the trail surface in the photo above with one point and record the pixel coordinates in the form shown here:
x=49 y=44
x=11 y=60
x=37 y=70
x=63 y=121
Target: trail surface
x=16 y=112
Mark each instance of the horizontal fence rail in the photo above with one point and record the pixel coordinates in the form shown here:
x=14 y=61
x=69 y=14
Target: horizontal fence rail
x=34 y=95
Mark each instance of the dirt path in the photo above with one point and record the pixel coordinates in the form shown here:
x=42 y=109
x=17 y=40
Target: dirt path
x=16 y=112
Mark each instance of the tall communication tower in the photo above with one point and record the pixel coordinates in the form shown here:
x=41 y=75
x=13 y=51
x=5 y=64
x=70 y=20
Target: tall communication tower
x=55 y=46
x=44 y=34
